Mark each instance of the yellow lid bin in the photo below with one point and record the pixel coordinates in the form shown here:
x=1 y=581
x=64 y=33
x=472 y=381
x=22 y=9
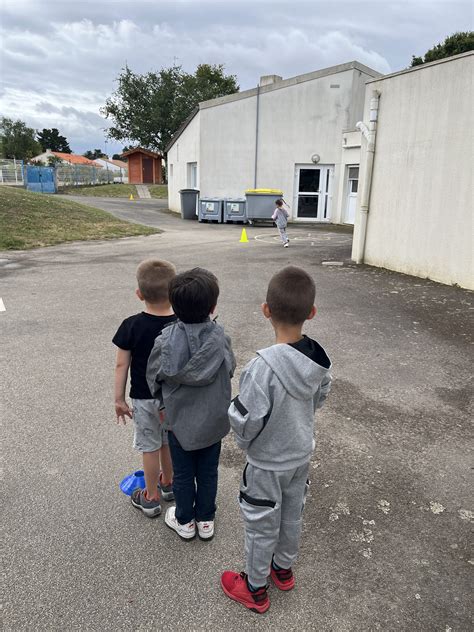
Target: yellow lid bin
x=264 y=191
x=261 y=203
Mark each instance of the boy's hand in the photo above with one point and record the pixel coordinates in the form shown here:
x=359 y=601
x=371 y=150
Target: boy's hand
x=162 y=416
x=122 y=410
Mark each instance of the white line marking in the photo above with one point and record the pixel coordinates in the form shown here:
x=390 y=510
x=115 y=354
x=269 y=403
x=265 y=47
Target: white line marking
x=2 y=306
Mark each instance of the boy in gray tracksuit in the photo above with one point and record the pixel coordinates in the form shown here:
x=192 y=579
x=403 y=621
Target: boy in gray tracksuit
x=189 y=372
x=273 y=421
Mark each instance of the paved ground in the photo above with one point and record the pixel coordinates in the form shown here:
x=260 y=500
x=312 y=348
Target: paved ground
x=385 y=544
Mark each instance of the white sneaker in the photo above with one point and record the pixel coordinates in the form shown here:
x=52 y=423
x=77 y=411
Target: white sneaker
x=285 y=245
x=185 y=531
x=205 y=529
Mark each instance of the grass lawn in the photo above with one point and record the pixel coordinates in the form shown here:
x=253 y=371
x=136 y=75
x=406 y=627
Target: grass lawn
x=116 y=190
x=102 y=190
x=158 y=191
x=31 y=220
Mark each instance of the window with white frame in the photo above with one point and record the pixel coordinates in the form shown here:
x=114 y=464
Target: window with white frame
x=192 y=175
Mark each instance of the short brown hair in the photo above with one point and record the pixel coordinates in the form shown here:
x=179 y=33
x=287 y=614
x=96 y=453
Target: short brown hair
x=153 y=278
x=290 y=295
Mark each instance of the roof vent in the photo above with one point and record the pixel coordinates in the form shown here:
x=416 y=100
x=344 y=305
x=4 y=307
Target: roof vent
x=267 y=80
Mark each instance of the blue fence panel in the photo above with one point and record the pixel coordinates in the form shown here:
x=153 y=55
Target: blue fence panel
x=40 y=179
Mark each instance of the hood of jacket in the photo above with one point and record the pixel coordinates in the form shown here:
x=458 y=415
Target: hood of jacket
x=192 y=353
x=300 y=374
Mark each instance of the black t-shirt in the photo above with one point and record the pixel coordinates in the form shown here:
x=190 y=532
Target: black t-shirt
x=137 y=334
x=312 y=350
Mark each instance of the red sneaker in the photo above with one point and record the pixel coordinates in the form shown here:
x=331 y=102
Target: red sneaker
x=283 y=578
x=235 y=586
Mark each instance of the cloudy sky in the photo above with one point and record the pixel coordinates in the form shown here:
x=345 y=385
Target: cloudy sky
x=59 y=58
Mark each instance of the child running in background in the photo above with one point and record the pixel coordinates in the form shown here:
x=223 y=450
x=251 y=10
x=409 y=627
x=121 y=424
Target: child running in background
x=134 y=340
x=273 y=421
x=280 y=217
x=189 y=372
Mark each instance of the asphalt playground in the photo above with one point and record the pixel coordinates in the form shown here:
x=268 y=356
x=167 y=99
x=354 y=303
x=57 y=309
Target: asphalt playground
x=386 y=542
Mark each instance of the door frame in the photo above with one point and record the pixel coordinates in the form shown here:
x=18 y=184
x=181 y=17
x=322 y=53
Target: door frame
x=324 y=195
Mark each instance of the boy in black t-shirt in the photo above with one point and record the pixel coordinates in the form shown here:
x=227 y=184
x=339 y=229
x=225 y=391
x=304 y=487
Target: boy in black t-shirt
x=135 y=339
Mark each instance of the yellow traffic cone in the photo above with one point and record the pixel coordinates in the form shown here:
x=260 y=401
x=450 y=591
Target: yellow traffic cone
x=131 y=196
x=243 y=237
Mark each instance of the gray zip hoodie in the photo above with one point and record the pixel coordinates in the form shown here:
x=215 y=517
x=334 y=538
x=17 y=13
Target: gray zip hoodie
x=189 y=371
x=273 y=416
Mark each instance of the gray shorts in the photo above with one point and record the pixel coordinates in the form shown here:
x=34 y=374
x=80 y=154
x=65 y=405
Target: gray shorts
x=149 y=433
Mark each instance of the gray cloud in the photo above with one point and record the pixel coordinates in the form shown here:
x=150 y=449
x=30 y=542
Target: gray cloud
x=60 y=59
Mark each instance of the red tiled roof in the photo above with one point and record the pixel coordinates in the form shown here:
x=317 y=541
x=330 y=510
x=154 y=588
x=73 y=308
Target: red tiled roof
x=75 y=159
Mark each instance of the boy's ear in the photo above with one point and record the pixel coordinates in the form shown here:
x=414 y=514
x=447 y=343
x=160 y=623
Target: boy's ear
x=139 y=294
x=213 y=309
x=266 y=310
x=312 y=313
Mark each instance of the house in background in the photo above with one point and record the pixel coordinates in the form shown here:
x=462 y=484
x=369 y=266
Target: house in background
x=414 y=214
x=144 y=166
x=72 y=159
x=298 y=135
x=119 y=168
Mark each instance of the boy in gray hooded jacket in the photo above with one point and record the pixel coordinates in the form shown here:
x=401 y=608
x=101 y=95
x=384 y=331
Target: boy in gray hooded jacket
x=273 y=420
x=189 y=371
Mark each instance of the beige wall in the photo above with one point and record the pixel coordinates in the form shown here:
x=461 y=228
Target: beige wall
x=420 y=213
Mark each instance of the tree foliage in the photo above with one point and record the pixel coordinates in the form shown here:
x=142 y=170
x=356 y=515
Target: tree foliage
x=17 y=140
x=51 y=139
x=54 y=161
x=148 y=109
x=455 y=44
x=92 y=154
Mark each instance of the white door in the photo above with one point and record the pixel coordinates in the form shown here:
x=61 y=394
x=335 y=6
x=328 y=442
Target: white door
x=352 y=189
x=313 y=192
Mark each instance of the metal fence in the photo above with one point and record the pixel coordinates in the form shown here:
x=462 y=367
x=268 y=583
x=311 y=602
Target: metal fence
x=11 y=172
x=82 y=175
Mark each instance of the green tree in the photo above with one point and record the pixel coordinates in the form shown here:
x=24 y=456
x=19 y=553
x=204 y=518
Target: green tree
x=117 y=157
x=148 y=109
x=94 y=153
x=455 y=44
x=54 y=161
x=17 y=140
x=51 y=139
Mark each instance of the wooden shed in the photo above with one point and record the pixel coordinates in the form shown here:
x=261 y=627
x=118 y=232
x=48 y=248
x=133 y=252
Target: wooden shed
x=144 y=166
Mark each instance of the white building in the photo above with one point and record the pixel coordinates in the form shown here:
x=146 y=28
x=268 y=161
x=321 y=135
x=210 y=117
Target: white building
x=297 y=135
x=119 y=168
x=66 y=159
x=415 y=208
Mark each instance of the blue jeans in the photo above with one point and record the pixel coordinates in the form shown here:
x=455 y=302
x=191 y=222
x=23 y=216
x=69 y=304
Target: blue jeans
x=194 y=481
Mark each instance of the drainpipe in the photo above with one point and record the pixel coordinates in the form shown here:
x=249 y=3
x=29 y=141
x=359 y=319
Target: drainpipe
x=256 y=138
x=369 y=134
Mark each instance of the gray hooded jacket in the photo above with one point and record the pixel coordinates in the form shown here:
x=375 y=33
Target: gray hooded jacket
x=273 y=416
x=189 y=371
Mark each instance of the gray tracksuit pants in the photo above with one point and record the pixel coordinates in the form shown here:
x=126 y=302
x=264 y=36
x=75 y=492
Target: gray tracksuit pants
x=283 y=235
x=271 y=504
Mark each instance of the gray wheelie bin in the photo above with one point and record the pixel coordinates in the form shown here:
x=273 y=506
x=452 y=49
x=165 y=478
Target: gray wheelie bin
x=189 y=203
